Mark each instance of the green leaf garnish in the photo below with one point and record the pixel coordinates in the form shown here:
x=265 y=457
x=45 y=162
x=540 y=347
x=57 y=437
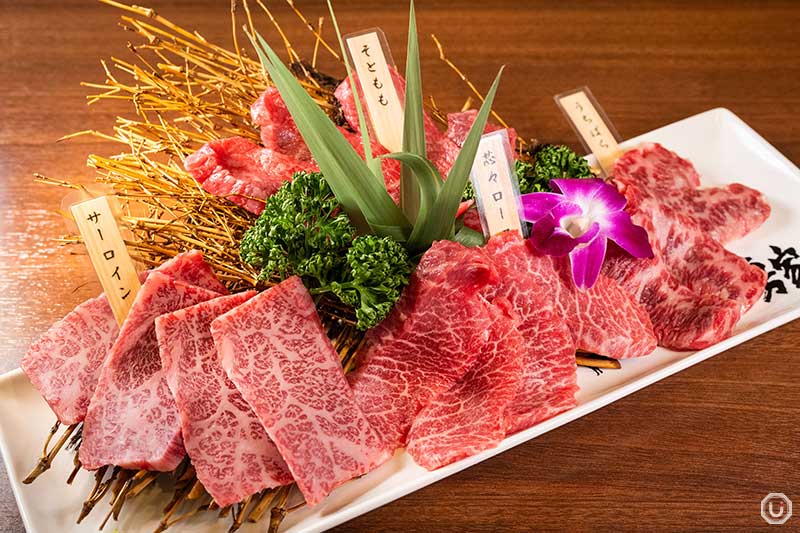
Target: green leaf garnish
x=439 y=224
x=431 y=204
x=362 y=195
x=377 y=270
x=414 y=141
x=427 y=180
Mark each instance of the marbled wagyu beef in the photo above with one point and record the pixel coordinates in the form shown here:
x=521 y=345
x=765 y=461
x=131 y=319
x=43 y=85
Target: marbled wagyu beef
x=132 y=419
x=694 y=290
x=275 y=351
x=229 y=448
x=64 y=364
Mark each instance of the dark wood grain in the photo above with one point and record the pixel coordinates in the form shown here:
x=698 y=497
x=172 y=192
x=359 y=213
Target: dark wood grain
x=696 y=451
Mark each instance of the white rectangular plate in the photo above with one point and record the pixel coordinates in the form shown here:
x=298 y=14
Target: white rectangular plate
x=724 y=150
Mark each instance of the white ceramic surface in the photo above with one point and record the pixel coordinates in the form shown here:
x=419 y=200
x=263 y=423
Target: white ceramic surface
x=722 y=147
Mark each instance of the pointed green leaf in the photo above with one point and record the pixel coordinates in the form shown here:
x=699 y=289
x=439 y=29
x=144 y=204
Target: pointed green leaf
x=439 y=222
x=469 y=237
x=413 y=123
x=427 y=177
x=364 y=198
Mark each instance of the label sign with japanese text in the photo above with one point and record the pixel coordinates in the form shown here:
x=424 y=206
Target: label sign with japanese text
x=496 y=186
x=590 y=123
x=110 y=258
x=372 y=61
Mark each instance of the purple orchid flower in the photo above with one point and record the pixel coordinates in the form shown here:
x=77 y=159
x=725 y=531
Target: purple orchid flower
x=579 y=221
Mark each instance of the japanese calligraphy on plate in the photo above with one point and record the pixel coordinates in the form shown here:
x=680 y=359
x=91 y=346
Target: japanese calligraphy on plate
x=110 y=258
x=591 y=124
x=495 y=184
x=373 y=62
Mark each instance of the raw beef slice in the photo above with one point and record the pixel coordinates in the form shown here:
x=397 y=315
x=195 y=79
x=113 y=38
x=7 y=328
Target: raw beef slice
x=229 y=448
x=723 y=213
x=682 y=319
x=428 y=342
x=549 y=378
x=132 y=419
x=459 y=124
x=470 y=416
x=603 y=319
x=278 y=130
x=275 y=351
x=64 y=364
x=242 y=171
x=695 y=259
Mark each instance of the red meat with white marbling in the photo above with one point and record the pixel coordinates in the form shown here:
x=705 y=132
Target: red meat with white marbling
x=549 y=374
x=242 y=171
x=459 y=124
x=274 y=349
x=695 y=290
x=64 y=364
x=279 y=132
x=471 y=416
x=429 y=341
x=132 y=420
x=229 y=448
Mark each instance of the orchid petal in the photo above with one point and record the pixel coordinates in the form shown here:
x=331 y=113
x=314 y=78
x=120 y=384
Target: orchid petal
x=586 y=262
x=565 y=209
x=632 y=238
x=609 y=198
x=550 y=238
x=577 y=188
x=536 y=205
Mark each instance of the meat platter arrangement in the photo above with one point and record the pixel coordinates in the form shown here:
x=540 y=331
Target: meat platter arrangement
x=313 y=303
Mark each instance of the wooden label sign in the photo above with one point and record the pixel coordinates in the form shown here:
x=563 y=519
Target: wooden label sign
x=372 y=61
x=495 y=184
x=113 y=265
x=591 y=124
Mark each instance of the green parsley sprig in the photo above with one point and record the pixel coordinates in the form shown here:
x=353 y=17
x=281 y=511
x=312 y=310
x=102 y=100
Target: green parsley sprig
x=304 y=231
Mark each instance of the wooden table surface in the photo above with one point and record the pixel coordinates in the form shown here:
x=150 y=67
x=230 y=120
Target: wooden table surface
x=698 y=450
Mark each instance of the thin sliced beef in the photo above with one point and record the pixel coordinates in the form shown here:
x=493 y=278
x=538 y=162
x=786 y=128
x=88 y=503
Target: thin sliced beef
x=459 y=124
x=64 y=364
x=549 y=379
x=441 y=150
x=278 y=130
x=132 y=419
x=275 y=351
x=242 y=171
x=470 y=416
x=723 y=213
x=694 y=290
x=682 y=319
x=696 y=260
x=429 y=341
x=229 y=448
x=191 y=268
x=603 y=319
